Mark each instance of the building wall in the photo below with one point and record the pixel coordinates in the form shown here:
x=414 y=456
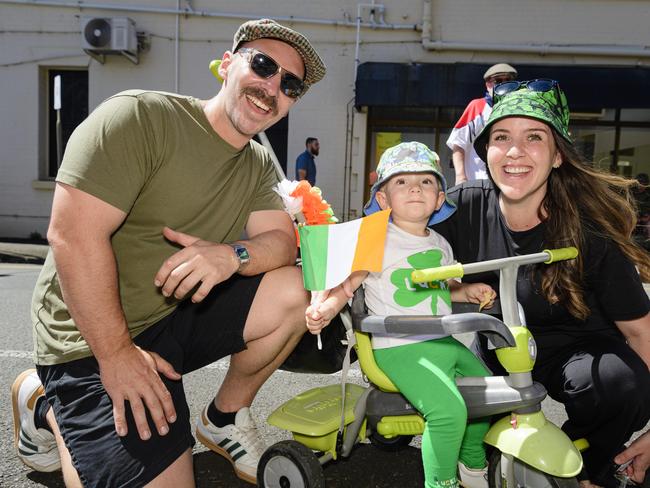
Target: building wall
x=36 y=36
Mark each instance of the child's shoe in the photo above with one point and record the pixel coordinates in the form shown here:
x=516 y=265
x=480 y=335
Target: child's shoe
x=472 y=478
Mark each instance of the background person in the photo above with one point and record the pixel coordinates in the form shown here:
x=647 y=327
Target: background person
x=148 y=278
x=590 y=316
x=305 y=164
x=467 y=164
x=423 y=367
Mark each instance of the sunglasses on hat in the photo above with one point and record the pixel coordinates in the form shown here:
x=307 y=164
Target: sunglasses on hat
x=265 y=66
x=539 y=85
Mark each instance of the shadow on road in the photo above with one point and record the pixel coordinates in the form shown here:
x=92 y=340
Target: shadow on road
x=367 y=467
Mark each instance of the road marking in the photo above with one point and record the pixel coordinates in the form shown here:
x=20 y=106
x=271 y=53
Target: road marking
x=221 y=365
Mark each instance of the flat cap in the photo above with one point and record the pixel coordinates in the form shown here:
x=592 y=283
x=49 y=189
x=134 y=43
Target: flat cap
x=270 y=29
x=498 y=69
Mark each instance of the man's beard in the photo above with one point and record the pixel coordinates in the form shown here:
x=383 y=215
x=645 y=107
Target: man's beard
x=271 y=102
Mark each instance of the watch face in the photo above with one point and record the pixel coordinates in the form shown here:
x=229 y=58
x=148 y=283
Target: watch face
x=242 y=253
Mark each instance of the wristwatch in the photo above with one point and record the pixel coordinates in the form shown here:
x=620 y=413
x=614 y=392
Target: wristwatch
x=242 y=254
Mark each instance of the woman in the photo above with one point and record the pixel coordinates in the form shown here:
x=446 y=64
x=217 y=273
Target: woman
x=590 y=317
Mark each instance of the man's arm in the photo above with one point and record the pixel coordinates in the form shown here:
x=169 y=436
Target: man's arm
x=271 y=244
x=458 y=159
x=301 y=167
x=80 y=238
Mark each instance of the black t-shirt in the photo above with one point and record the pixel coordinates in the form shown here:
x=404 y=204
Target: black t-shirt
x=613 y=290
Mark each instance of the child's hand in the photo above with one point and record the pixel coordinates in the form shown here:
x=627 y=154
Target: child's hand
x=319 y=315
x=480 y=293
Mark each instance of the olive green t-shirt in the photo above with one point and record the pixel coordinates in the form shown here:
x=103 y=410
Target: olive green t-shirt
x=156 y=157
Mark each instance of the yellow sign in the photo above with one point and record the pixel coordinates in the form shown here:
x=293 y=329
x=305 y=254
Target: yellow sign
x=384 y=140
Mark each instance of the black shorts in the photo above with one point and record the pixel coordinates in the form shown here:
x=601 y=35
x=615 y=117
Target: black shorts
x=192 y=336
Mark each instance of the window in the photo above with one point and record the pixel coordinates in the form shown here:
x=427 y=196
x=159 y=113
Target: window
x=74 y=109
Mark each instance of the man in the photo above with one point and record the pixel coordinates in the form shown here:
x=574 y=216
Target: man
x=467 y=164
x=149 y=279
x=305 y=165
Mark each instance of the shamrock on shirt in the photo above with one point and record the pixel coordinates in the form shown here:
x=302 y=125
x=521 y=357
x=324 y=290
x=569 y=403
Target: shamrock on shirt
x=409 y=294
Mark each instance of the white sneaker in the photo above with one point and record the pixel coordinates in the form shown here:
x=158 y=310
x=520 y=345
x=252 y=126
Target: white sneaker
x=240 y=442
x=36 y=447
x=472 y=478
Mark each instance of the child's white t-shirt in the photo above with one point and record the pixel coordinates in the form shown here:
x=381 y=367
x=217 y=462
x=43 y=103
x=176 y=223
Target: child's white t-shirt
x=391 y=291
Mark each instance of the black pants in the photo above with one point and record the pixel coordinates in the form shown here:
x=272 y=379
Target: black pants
x=605 y=388
x=192 y=336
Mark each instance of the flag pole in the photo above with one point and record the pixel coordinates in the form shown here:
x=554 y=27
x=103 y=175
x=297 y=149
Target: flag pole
x=300 y=218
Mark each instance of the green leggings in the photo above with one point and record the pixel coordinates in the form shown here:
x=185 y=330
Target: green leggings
x=424 y=373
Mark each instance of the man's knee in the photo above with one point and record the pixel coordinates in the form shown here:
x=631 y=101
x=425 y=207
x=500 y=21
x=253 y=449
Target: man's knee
x=290 y=294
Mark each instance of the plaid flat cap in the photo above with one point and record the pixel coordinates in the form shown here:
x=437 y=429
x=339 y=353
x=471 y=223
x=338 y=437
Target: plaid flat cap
x=270 y=29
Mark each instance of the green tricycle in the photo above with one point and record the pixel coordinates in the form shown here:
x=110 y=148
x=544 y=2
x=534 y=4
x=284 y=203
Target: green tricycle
x=526 y=449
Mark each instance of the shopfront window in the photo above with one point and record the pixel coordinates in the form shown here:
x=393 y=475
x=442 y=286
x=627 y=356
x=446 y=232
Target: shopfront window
x=595 y=143
x=634 y=151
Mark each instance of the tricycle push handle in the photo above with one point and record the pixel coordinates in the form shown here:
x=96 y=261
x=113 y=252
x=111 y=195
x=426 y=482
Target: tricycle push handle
x=459 y=270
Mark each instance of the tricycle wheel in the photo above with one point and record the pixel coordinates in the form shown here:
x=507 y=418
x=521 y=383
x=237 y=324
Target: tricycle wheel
x=525 y=475
x=289 y=464
x=392 y=444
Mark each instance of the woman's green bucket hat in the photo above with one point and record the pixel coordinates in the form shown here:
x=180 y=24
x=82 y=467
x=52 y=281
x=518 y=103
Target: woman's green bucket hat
x=547 y=106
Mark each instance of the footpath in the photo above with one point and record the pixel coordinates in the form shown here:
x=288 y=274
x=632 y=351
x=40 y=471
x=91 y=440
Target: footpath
x=21 y=252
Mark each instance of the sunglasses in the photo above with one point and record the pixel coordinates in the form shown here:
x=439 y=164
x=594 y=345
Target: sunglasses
x=265 y=66
x=500 y=79
x=539 y=85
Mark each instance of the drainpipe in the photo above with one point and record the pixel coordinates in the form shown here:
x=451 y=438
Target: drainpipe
x=541 y=49
x=177 y=37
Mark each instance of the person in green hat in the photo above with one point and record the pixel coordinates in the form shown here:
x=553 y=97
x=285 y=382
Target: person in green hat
x=423 y=367
x=590 y=316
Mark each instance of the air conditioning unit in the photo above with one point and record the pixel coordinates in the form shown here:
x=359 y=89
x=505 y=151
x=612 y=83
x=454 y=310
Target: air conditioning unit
x=109 y=35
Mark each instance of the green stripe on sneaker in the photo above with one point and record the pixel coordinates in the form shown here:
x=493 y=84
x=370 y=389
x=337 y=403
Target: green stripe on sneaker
x=241 y=453
x=236 y=445
x=26 y=453
x=28 y=445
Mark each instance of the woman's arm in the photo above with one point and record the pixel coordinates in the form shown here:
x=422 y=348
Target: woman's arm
x=637 y=334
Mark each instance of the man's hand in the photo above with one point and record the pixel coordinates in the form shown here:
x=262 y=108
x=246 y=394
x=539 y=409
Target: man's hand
x=132 y=374
x=200 y=261
x=458 y=160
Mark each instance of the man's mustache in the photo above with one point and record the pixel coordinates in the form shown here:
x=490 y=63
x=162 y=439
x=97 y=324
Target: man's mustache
x=261 y=95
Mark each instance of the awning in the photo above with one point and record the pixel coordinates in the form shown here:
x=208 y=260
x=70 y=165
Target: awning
x=453 y=85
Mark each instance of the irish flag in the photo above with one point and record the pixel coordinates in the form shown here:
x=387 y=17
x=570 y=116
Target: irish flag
x=330 y=253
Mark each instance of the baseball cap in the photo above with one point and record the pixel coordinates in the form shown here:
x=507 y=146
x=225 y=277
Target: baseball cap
x=409 y=157
x=270 y=29
x=498 y=69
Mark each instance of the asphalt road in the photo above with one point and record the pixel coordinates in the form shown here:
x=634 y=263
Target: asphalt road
x=367 y=467
x=16 y=285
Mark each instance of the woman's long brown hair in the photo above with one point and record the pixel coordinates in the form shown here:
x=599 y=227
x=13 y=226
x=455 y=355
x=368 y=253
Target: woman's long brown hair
x=580 y=196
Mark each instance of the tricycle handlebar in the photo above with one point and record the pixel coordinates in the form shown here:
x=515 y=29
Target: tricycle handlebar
x=459 y=270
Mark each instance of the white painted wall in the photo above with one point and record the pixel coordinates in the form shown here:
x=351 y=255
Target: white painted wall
x=25 y=202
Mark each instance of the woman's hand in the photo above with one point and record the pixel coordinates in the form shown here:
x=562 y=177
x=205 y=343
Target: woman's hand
x=639 y=453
